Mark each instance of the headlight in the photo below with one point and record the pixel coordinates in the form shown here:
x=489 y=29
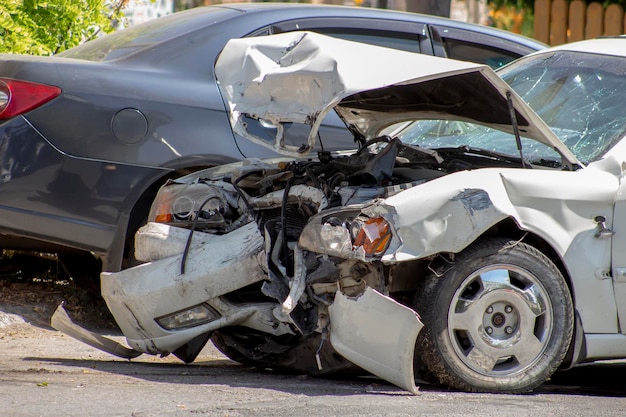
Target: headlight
x=371 y=234
x=182 y=203
x=347 y=235
x=190 y=317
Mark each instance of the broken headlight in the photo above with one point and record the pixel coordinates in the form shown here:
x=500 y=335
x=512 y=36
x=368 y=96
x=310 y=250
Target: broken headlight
x=347 y=234
x=181 y=204
x=372 y=235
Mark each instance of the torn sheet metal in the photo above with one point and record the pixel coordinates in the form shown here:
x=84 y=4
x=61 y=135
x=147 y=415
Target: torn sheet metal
x=138 y=295
x=376 y=333
x=156 y=241
x=451 y=214
x=301 y=76
x=297 y=194
x=62 y=322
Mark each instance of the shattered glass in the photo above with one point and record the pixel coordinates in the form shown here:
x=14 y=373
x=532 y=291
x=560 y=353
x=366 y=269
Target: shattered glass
x=578 y=95
x=437 y=134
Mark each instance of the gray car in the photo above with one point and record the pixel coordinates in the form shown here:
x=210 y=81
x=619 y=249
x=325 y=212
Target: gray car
x=89 y=135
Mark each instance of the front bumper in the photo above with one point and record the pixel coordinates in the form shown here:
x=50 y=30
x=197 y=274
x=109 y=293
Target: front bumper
x=221 y=264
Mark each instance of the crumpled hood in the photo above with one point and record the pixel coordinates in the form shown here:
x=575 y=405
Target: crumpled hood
x=300 y=76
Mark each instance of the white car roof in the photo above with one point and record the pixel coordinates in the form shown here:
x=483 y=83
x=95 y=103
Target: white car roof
x=615 y=46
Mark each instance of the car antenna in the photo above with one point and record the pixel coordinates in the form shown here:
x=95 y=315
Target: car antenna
x=518 y=140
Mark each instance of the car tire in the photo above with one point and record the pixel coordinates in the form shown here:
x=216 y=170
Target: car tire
x=500 y=319
x=292 y=354
x=227 y=345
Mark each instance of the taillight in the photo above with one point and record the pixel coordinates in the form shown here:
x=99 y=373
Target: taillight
x=18 y=97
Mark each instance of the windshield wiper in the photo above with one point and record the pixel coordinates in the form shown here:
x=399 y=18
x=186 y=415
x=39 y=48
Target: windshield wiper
x=546 y=162
x=466 y=149
x=518 y=140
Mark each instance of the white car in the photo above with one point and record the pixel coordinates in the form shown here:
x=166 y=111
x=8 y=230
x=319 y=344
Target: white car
x=477 y=232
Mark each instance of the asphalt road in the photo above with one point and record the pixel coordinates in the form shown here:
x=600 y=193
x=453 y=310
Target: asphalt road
x=45 y=373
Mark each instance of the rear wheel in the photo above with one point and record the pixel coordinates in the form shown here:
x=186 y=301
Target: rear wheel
x=499 y=320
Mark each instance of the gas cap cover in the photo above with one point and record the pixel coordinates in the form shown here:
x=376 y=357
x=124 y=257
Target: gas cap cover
x=129 y=125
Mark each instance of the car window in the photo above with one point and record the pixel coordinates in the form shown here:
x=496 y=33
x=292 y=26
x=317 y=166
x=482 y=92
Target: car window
x=479 y=53
x=579 y=95
x=406 y=36
x=473 y=46
x=332 y=135
x=124 y=42
x=388 y=39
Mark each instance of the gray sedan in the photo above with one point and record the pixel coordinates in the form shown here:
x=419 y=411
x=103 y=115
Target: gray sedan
x=87 y=137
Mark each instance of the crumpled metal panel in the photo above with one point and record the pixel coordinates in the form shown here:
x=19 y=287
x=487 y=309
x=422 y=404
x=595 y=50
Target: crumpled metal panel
x=301 y=76
x=156 y=241
x=450 y=213
x=376 y=333
x=139 y=295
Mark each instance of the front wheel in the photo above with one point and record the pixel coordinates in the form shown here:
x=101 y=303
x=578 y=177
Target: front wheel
x=499 y=320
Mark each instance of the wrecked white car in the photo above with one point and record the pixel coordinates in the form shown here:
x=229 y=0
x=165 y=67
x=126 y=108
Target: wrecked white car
x=453 y=242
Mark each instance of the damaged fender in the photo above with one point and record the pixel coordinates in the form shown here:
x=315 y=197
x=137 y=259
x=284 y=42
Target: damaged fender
x=449 y=218
x=376 y=333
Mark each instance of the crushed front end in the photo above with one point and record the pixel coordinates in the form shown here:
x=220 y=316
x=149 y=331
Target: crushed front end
x=223 y=258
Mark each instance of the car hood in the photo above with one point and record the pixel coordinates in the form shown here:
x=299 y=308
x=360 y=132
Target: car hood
x=299 y=77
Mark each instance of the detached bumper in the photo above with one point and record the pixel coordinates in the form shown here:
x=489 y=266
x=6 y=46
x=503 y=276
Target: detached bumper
x=138 y=296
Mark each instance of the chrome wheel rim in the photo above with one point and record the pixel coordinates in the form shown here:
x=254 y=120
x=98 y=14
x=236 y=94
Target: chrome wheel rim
x=500 y=320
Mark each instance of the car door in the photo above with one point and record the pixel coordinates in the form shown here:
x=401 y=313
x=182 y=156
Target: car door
x=617 y=232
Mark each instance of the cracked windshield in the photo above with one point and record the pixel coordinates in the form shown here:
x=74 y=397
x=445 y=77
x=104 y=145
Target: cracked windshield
x=577 y=95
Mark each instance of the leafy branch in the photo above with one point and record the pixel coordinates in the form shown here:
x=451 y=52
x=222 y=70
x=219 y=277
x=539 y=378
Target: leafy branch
x=46 y=27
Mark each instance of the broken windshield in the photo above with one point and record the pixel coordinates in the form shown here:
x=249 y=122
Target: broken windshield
x=578 y=95
x=451 y=133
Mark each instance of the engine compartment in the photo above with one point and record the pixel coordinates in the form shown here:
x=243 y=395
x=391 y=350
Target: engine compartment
x=298 y=189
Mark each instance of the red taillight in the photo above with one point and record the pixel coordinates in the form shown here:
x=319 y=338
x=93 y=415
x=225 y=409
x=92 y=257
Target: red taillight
x=18 y=97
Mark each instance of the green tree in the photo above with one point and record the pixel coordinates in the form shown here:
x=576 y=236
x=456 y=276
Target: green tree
x=45 y=27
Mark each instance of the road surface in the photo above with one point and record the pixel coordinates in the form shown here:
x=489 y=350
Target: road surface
x=45 y=373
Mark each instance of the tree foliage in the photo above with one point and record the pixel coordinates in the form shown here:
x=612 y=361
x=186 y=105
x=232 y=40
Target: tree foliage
x=45 y=27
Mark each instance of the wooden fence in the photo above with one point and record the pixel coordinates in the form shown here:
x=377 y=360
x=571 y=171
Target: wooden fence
x=561 y=21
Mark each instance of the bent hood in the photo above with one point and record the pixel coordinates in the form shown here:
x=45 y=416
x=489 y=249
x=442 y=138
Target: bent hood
x=299 y=77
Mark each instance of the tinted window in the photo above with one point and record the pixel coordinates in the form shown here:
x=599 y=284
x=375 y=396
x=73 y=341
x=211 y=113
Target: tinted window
x=481 y=54
x=493 y=49
x=394 y=34
x=396 y=40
